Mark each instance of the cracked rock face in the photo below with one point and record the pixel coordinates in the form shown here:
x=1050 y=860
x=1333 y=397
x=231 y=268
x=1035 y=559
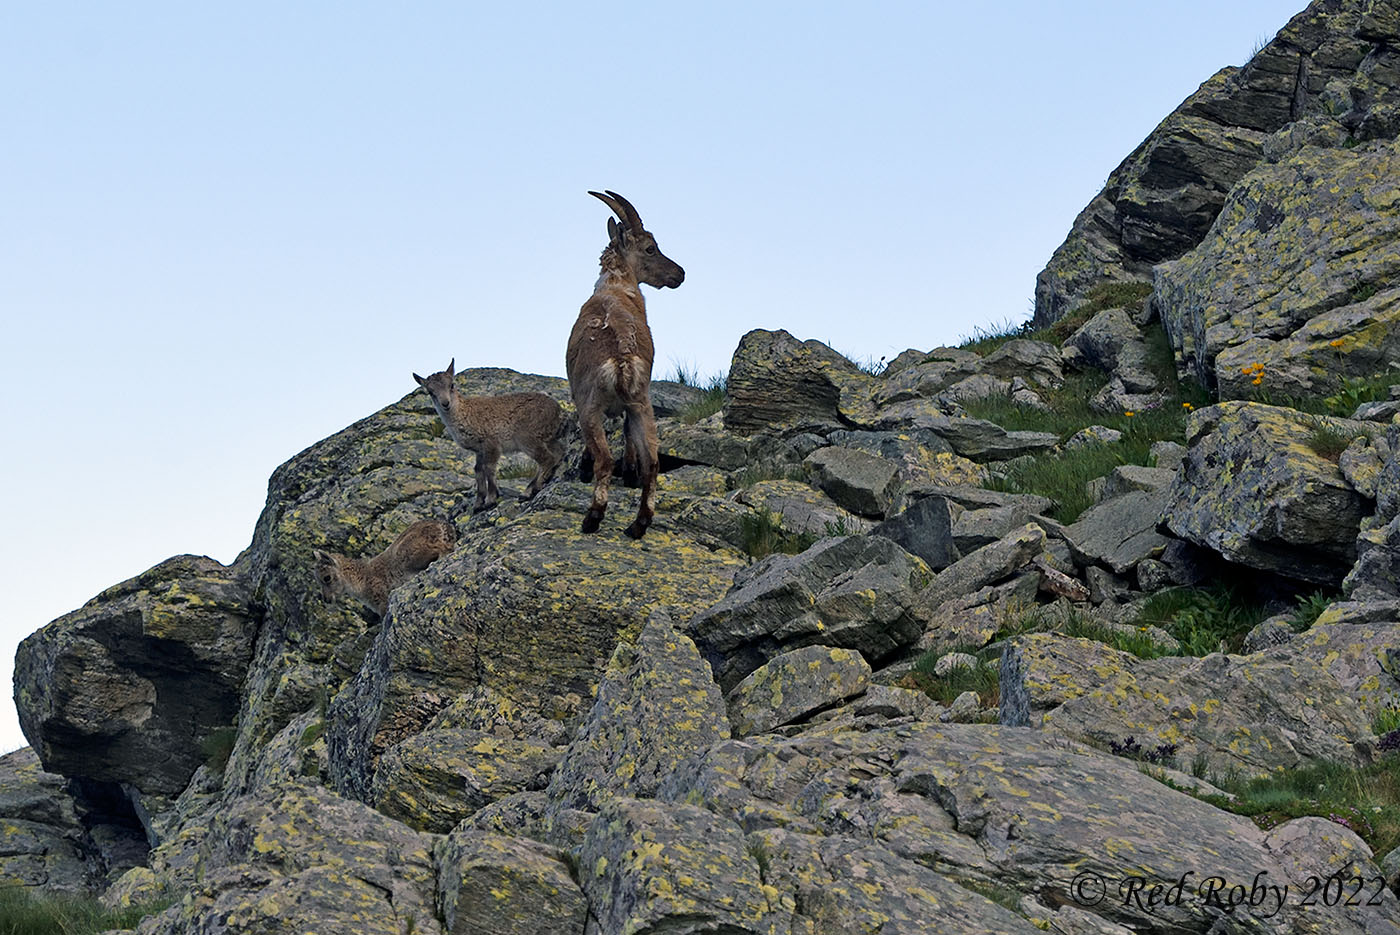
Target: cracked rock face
x=1335 y=61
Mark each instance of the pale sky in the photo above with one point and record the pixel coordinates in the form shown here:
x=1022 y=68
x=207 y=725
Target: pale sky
x=230 y=230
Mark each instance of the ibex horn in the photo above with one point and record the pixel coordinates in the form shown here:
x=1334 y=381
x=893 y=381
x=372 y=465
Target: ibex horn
x=621 y=207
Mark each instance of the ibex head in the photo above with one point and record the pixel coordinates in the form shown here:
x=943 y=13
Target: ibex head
x=439 y=385
x=328 y=574
x=637 y=247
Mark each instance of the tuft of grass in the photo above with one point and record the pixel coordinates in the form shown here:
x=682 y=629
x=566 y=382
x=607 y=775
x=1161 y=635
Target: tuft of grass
x=763 y=534
x=217 y=747
x=984 y=679
x=756 y=473
x=1327 y=440
x=1203 y=620
x=1309 y=608
x=714 y=391
x=758 y=850
x=1136 y=641
x=26 y=913
x=984 y=340
x=1386 y=721
x=1365 y=799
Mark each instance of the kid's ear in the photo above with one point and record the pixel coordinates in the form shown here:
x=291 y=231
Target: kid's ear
x=451 y=367
x=322 y=558
x=421 y=381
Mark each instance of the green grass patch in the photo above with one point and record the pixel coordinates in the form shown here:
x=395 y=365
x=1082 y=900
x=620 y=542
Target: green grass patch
x=217 y=747
x=763 y=534
x=713 y=393
x=1310 y=607
x=26 y=913
x=1135 y=640
x=1327 y=440
x=983 y=678
x=1203 y=620
x=1365 y=799
x=984 y=340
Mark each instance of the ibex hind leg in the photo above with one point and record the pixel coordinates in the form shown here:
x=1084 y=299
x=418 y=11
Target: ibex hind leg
x=631 y=473
x=641 y=438
x=595 y=439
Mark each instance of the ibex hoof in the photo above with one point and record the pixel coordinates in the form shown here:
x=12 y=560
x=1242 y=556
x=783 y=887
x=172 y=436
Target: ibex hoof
x=591 y=522
x=481 y=508
x=637 y=529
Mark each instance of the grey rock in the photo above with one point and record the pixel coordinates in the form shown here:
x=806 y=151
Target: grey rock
x=795 y=685
x=924 y=528
x=1093 y=435
x=964 y=709
x=657 y=704
x=988 y=565
x=658 y=867
x=1120 y=532
x=668 y=398
x=1035 y=361
x=860 y=482
x=1167 y=455
x=854 y=592
x=1253 y=490
x=1266 y=634
x=1153 y=575
x=489 y=883
x=124 y=689
x=778 y=382
x=951 y=661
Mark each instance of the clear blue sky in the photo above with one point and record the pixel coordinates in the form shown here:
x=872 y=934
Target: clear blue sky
x=229 y=230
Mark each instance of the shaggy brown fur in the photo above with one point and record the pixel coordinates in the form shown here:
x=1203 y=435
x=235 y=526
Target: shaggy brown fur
x=492 y=425
x=609 y=361
x=371 y=580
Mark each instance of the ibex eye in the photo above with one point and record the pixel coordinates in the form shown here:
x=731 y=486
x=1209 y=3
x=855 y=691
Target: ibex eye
x=651 y=251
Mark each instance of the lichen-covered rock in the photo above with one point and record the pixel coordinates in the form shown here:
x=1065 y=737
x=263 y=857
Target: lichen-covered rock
x=1309 y=700
x=853 y=592
x=799 y=507
x=986 y=566
x=703 y=443
x=490 y=884
x=1036 y=361
x=977 y=440
x=52 y=841
x=795 y=685
x=125 y=689
x=1253 y=489
x=657 y=704
x=1160 y=202
x=1119 y=532
x=530 y=609
x=295 y=858
x=983 y=804
x=1293 y=289
x=860 y=482
x=920 y=456
x=656 y=867
x=778 y=382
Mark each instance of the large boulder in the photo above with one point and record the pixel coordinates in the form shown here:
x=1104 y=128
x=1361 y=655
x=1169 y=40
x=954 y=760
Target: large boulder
x=1307 y=701
x=795 y=685
x=778 y=382
x=1253 y=489
x=127 y=688
x=657 y=705
x=491 y=884
x=530 y=609
x=852 y=592
x=1295 y=289
x=1334 y=57
x=1023 y=813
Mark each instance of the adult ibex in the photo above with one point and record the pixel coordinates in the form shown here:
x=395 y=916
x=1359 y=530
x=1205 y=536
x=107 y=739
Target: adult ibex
x=610 y=356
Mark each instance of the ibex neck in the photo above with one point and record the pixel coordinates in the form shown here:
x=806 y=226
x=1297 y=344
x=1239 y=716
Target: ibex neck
x=614 y=272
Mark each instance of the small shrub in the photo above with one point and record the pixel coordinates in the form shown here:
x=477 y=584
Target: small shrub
x=1161 y=755
x=1386 y=721
x=758 y=850
x=1356 y=391
x=1200 y=765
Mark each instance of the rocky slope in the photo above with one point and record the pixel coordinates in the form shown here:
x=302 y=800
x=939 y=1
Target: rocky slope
x=866 y=672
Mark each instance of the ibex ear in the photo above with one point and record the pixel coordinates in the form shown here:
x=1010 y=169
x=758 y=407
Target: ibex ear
x=421 y=381
x=451 y=364
x=324 y=558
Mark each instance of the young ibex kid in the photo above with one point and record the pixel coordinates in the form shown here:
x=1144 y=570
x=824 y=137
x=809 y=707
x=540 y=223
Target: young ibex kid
x=610 y=356
x=371 y=580
x=491 y=425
